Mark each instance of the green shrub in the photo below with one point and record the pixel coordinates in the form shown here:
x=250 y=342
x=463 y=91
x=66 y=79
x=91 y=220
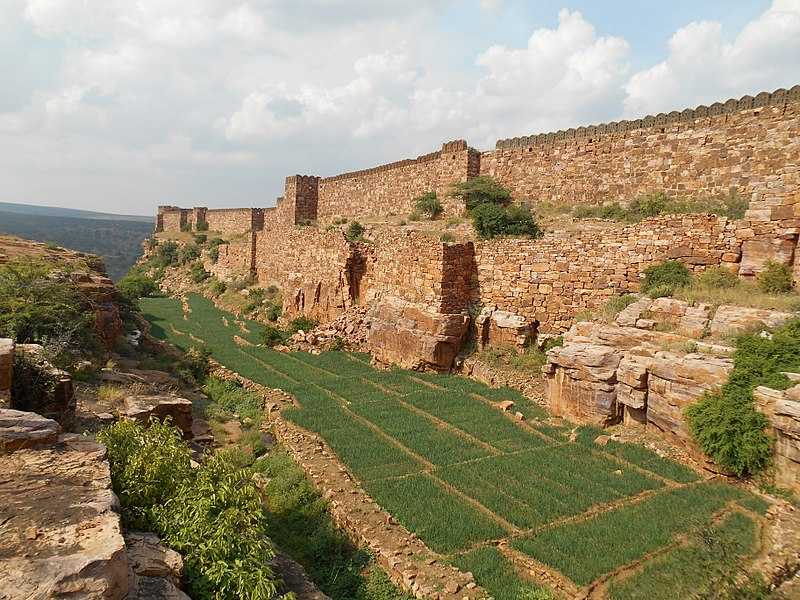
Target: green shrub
x=492 y=220
x=726 y=424
x=614 y=212
x=302 y=323
x=166 y=255
x=188 y=253
x=776 y=278
x=194 y=366
x=355 y=232
x=234 y=398
x=217 y=287
x=137 y=285
x=202 y=226
x=147 y=464
x=197 y=273
x=273 y=336
x=273 y=311
x=663 y=279
x=717 y=278
x=429 y=204
x=447 y=237
x=37 y=305
x=479 y=191
x=200 y=239
x=212 y=515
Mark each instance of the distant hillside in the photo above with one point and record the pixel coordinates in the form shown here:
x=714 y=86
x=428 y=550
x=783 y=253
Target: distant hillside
x=118 y=241
x=55 y=211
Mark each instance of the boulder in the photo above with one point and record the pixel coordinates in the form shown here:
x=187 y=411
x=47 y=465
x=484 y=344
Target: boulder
x=756 y=253
x=20 y=429
x=675 y=381
x=154 y=570
x=581 y=382
x=61 y=536
x=142 y=408
x=414 y=337
x=629 y=315
x=735 y=319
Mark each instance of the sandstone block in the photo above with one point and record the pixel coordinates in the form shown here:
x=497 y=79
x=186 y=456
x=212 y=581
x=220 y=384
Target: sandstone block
x=142 y=408
x=20 y=429
x=756 y=252
x=734 y=319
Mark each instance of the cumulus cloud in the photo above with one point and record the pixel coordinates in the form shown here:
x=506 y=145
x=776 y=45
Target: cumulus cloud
x=703 y=67
x=215 y=101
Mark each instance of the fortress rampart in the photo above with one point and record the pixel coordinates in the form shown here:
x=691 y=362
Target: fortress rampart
x=750 y=146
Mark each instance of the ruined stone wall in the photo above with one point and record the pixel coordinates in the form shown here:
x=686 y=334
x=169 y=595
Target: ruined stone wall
x=391 y=189
x=234 y=220
x=172 y=220
x=751 y=145
x=235 y=259
x=553 y=278
x=309 y=265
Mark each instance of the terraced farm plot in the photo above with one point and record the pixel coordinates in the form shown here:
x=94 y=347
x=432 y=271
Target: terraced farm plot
x=478 y=486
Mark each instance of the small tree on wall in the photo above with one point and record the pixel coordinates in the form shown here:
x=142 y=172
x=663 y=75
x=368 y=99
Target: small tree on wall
x=489 y=207
x=428 y=204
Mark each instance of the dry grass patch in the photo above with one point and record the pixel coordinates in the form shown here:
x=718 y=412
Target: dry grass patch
x=744 y=293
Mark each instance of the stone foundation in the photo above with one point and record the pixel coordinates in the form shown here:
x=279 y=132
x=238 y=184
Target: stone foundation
x=782 y=407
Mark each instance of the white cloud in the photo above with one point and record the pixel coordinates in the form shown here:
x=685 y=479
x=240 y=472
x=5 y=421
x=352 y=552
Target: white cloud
x=215 y=101
x=702 y=67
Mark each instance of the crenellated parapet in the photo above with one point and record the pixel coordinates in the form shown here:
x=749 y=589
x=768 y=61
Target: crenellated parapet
x=779 y=97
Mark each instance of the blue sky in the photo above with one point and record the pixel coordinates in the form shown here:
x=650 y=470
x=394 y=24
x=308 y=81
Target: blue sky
x=120 y=106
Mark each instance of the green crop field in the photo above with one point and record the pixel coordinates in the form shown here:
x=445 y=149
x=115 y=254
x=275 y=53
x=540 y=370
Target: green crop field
x=479 y=487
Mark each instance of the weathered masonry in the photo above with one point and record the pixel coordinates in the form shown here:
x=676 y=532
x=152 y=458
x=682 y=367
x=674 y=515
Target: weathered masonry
x=749 y=146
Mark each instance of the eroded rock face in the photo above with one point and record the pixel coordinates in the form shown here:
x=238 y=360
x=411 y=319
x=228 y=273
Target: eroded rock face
x=412 y=337
x=56 y=400
x=61 y=535
x=583 y=385
x=502 y=328
x=782 y=408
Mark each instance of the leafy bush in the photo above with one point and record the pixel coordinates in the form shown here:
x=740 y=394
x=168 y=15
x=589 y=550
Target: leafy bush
x=188 y=253
x=302 y=323
x=197 y=273
x=726 y=424
x=234 y=398
x=663 y=279
x=479 y=191
x=213 y=254
x=212 y=515
x=37 y=305
x=492 y=220
x=194 y=366
x=137 y=285
x=166 y=254
x=447 y=237
x=202 y=226
x=200 y=239
x=355 y=232
x=147 y=464
x=429 y=204
x=717 y=278
x=273 y=336
x=186 y=226
x=217 y=287
x=273 y=311
x=776 y=278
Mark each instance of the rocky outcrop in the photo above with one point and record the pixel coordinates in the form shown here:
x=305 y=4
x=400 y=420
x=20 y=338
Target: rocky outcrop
x=608 y=373
x=413 y=337
x=496 y=327
x=735 y=319
x=142 y=408
x=782 y=408
x=154 y=570
x=61 y=535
